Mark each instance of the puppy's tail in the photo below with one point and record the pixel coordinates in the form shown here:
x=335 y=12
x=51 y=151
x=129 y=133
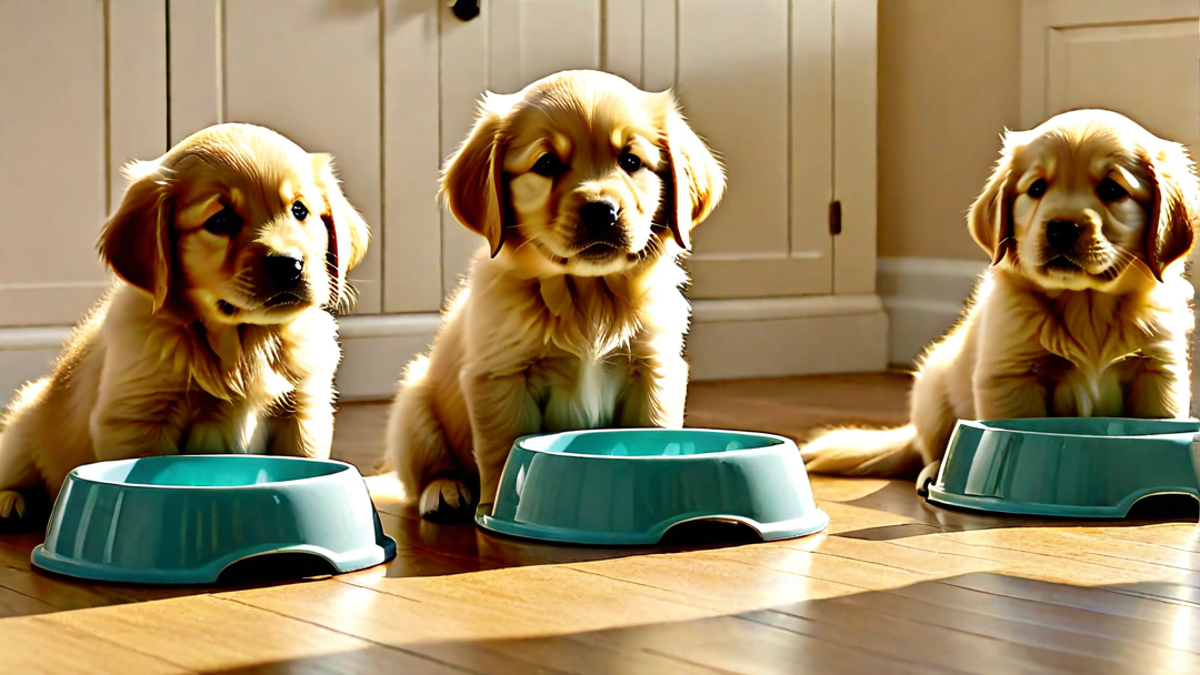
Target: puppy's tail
x=864 y=452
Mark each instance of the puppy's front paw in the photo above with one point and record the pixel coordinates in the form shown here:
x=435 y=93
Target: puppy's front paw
x=12 y=505
x=928 y=475
x=445 y=500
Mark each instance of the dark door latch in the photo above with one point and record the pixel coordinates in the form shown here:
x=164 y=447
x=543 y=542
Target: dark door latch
x=465 y=10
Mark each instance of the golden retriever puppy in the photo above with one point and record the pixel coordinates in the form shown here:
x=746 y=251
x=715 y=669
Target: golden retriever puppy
x=216 y=336
x=1088 y=220
x=572 y=316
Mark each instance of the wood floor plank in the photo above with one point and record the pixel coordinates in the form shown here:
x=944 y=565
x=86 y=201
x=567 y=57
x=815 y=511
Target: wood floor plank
x=13 y=603
x=857 y=569
x=1090 y=598
x=34 y=645
x=948 y=596
x=1081 y=544
x=1178 y=536
x=893 y=606
x=720 y=582
x=478 y=624
x=896 y=639
x=205 y=633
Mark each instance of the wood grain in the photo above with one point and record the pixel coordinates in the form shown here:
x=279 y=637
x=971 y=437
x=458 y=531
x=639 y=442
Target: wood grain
x=894 y=586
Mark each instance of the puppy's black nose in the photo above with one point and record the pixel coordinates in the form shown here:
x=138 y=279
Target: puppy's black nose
x=598 y=215
x=284 y=270
x=1062 y=234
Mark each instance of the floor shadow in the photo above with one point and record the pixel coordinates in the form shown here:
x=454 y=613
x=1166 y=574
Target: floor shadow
x=900 y=498
x=424 y=549
x=436 y=549
x=979 y=623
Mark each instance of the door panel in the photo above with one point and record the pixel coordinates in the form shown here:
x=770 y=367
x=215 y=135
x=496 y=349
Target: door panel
x=1125 y=68
x=510 y=44
x=737 y=83
x=309 y=69
x=66 y=128
x=1141 y=59
x=410 y=239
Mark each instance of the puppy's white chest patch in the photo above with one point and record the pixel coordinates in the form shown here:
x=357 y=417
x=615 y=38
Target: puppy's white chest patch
x=1078 y=394
x=575 y=393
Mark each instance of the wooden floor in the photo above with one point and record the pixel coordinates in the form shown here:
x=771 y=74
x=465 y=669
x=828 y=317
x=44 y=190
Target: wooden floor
x=895 y=585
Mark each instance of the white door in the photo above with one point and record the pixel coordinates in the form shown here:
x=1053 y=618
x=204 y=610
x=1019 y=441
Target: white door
x=67 y=125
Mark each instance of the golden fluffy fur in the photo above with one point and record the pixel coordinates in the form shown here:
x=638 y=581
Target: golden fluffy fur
x=215 y=337
x=586 y=189
x=1088 y=220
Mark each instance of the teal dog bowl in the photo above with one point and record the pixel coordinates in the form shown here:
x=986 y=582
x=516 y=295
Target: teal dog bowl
x=628 y=487
x=1066 y=467
x=185 y=519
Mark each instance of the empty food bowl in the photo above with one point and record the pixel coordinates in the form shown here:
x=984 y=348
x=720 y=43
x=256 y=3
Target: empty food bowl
x=629 y=487
x=185 y=519
x=1096 y=467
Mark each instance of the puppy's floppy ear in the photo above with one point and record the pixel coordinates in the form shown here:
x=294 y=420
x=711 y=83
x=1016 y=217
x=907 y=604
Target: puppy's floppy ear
x=697 y=179
x=1175 y=213
x=136 y=240
x=349 y=234
x=473 y=179
x=990 y=218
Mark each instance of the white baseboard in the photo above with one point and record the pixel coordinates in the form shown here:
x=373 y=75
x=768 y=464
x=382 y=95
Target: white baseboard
x=773 y=337
x=923 y=298
x=729 y=339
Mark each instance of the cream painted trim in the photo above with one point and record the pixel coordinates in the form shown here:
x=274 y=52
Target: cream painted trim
x=923 y=298
x=30 y=339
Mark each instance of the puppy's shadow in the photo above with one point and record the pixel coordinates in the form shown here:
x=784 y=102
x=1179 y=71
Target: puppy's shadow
x=437 y=549
x=900 y=498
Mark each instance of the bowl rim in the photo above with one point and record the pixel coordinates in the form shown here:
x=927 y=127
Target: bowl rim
x=781 y=442
x=75 y=475
x=993 y=427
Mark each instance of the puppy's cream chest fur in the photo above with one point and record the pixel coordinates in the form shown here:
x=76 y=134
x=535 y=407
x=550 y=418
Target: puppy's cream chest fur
x=577 y=393
x=1073 y=391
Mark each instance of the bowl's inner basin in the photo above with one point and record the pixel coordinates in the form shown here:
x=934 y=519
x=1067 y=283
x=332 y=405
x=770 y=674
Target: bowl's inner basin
x=208 y=470
x=1097 y=426
x=647 y=442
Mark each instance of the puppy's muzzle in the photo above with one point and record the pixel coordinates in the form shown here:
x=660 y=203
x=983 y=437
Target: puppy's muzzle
x=1061 y=235
x=600 y=235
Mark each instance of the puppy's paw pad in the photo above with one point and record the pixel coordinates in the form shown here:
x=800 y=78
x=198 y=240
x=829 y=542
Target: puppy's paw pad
x=445 y=499
x=12 y=505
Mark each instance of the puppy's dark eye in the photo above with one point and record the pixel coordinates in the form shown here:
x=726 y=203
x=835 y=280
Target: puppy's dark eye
x=629 y=162
x=1037 y=189
x=225 y=223
x=549 y=165
x=1110 y=190
x=300 y=211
